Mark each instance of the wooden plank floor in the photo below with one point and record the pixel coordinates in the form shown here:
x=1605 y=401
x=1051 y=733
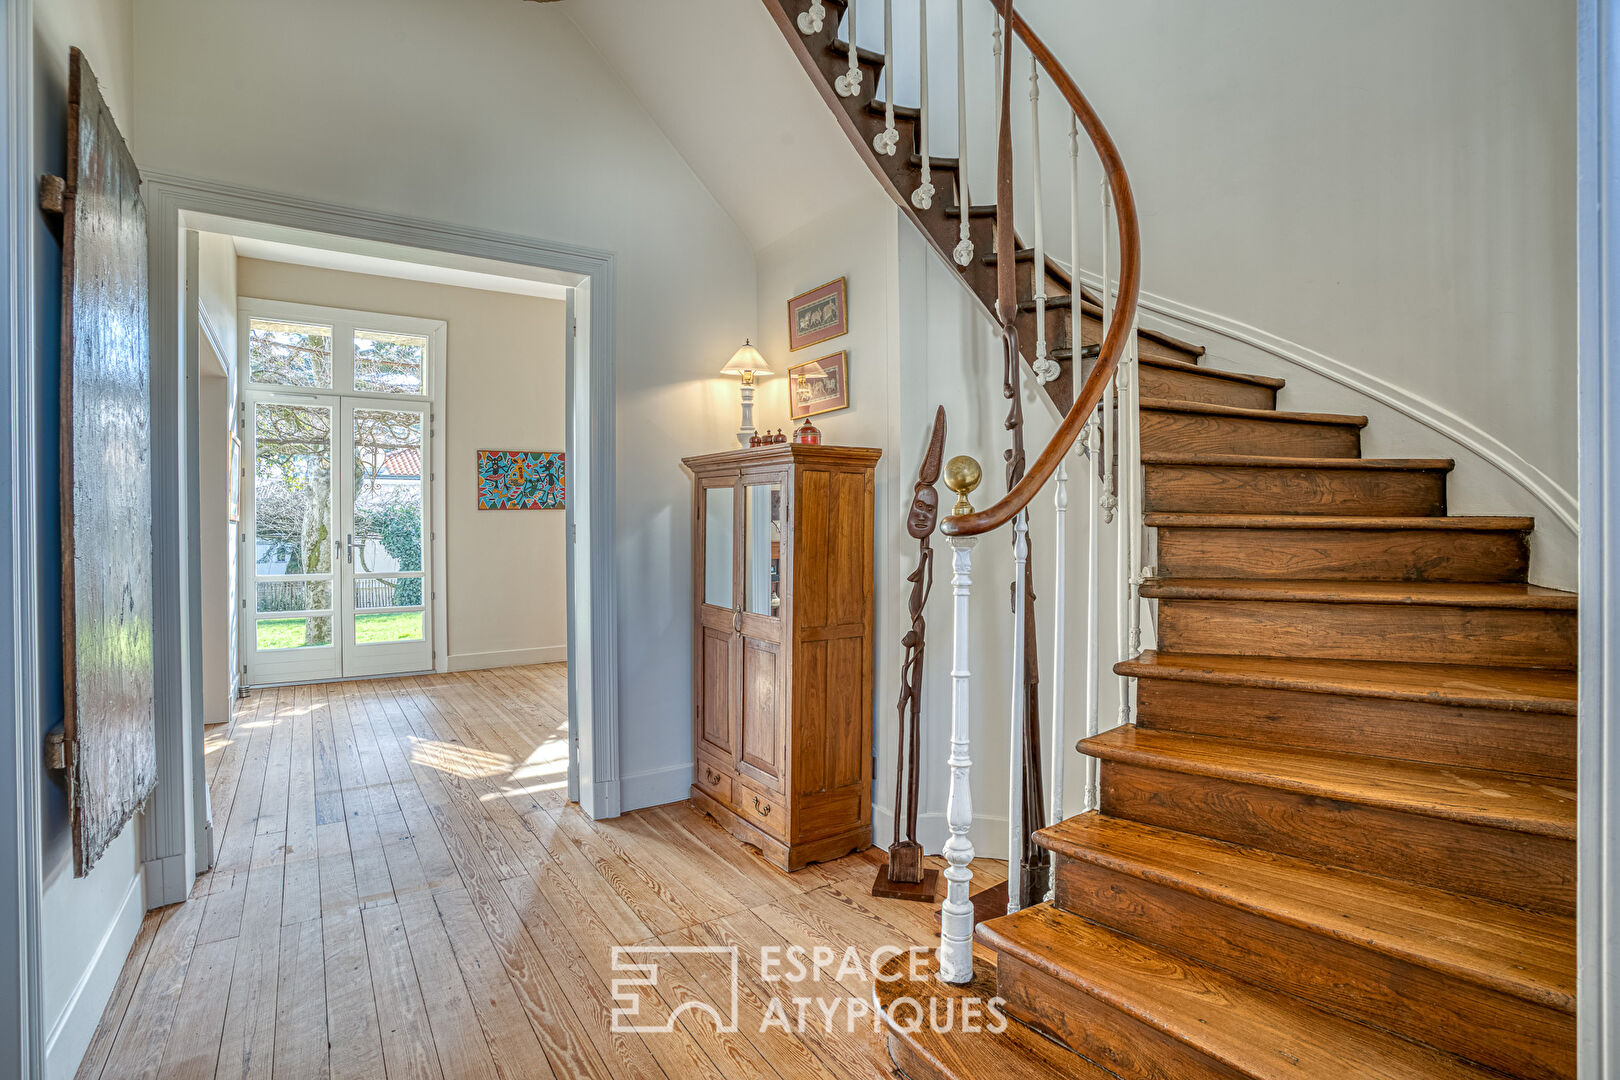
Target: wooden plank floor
x=402 y=891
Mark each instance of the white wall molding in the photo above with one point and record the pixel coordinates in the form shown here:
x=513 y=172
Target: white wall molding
x=1177 y=318
x=480 y=661
x=655 y=787
x=75 y=1025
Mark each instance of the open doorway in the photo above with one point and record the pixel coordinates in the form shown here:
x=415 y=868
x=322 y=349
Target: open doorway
x=369 y=383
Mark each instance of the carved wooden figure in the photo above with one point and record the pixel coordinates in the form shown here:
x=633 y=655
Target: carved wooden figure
x=108 y=750
x=904 y=877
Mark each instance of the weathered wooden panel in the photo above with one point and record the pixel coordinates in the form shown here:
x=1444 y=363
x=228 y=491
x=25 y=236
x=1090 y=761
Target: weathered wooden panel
x=106 y=478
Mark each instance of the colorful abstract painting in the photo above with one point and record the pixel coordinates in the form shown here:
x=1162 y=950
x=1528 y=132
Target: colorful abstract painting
x=521 y=480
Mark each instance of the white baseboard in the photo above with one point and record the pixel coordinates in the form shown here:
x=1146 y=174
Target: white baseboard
x=550 y=654
x=989 y=833
x=70 y=1033
x=655 y=787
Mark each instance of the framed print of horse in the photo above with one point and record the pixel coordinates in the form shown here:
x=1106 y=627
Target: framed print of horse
x=109 y=747
x=818 y=315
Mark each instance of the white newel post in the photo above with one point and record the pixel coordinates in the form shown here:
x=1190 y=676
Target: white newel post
x=923 y=197
x=849 y=83
x=956 y=920
x=1015 y=780
x=1060 y=604
x=964 y=202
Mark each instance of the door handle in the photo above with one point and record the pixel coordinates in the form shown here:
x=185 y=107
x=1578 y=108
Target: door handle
x=352 y=544
x=736 y=621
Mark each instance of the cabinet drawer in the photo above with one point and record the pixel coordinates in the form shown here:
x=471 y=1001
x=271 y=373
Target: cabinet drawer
x=761 y=808
x=713 y=778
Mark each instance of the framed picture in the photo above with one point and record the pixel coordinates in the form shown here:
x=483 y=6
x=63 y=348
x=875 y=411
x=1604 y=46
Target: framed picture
x=233 y=484
x=818 y=315
x=818 y=386
x=521 y=480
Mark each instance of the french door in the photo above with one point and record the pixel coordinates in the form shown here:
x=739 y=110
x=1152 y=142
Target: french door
x=336 y=501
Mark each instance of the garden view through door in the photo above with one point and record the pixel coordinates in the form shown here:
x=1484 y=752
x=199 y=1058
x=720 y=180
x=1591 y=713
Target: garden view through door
x=337 y=499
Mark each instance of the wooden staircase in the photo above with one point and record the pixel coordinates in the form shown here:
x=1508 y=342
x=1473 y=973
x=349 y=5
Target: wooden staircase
x=1339 y=840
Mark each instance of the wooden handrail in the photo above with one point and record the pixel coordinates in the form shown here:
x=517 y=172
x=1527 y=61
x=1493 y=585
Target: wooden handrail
x=1117 y=338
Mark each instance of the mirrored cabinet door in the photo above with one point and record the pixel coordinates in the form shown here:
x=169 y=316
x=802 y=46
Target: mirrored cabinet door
x=719 y=562
x=762 y=551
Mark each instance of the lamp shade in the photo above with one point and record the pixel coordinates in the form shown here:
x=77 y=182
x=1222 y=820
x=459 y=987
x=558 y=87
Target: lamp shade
x=747 y=359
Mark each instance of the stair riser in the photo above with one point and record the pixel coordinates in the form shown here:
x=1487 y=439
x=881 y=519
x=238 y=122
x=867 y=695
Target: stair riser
x=1198 y=433
x=1539 y=744
x=1146 y=346
x=1517 y=868
x=1219 y=489
x=1344 y=554
x=1417 y=633
x=1186 y=386
x=1126 y=1046
x=1418 y=1003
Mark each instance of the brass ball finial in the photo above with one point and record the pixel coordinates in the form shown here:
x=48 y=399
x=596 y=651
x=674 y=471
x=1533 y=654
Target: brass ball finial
x=962 y=475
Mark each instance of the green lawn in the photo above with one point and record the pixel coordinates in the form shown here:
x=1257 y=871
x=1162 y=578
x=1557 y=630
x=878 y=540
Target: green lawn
x=368 y=630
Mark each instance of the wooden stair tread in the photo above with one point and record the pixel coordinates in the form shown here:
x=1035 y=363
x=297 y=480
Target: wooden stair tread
x=869 y=57
x=1509 y=594
x=1257 y=461
x=1195 y=369
x=1535 y=805
x=1516 y=689
x=1526 y=954
x=1018 y=1051
x=1255 y=1032
x=1327 y=521
x=1275 y=415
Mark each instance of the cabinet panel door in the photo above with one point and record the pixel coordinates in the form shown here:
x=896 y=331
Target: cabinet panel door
x=717 y=675
x=760 y=753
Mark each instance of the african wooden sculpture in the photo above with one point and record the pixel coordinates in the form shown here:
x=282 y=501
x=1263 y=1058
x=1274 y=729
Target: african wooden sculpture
x=904 y=877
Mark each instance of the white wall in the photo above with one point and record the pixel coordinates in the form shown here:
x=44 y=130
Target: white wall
x=86 y=924
x=216 y=302
x=495 y=114
x=1390 y=186
x=504 y=389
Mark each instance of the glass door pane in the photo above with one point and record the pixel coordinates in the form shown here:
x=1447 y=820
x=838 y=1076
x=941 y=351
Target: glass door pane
x=385 y=541
x=291 y=503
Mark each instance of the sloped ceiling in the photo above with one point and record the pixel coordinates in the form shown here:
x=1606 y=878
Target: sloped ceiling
x=720 y=80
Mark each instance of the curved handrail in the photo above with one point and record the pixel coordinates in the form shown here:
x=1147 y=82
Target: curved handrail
x=1115 y=341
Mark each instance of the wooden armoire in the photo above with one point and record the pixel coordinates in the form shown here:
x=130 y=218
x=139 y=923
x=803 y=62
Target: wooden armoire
x=783 y=549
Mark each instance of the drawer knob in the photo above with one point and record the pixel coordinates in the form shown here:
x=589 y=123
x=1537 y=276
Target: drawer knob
x=765 y=810
x=714 y=777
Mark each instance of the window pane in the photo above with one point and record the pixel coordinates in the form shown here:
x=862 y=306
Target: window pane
x=387 y=490
x=295 y=595
x=387 y=592
x=294 y=633
x=292 y=489
x=762 y=549
x=398 y=626
x=389 y=363
x=289 y=354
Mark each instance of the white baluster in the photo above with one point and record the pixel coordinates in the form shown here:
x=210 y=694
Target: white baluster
x=923 y=197
x=956 y=915
x=1015 y=781
x=849 y=83
x=1129 y=530
x=1092 y=438
x=964 y=245
x=887 y=140
x=1133 y=482
x=1046 y=369
x=811 y=22
x=1110 y=437
x=1060 y=605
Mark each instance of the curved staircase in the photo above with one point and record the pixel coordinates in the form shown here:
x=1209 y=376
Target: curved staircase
x=1338 y=839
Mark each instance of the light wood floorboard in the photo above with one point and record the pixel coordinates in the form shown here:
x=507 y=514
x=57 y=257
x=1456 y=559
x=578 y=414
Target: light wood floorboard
x=402 y=890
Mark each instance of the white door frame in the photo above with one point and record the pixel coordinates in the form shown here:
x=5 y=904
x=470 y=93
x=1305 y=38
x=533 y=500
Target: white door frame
x=1598 y=277
x=22 y=1034
x=175 y=203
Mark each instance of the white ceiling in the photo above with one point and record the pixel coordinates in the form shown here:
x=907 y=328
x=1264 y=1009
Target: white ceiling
x=354 y=262
x=721 y=81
